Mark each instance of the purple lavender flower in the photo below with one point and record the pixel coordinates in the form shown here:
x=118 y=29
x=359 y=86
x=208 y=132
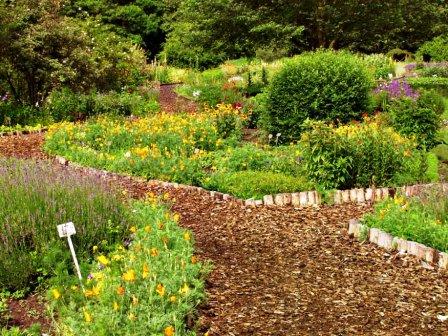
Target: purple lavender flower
x=90 y=276
x=397 y=89
x=410 y=67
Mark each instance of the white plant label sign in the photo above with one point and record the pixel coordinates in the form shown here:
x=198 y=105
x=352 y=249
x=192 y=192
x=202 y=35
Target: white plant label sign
x=67 y=230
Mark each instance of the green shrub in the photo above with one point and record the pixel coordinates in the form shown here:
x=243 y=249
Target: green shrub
x=417 y=117
x=255 y=184
x=12 y=114
x=441 y=151
x=35 y=198
x=432 y=171
x=435 y=50
x=324 y=85
x=380 y=65
x=437 y=83
x=434 y=70
x=424 y=219
x=68 y=105
x=146 y=288
x=358 y=155
x=255 y=107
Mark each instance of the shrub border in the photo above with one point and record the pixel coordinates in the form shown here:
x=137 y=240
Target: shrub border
x=23 y=132
x=385 y=240
x=296 y=199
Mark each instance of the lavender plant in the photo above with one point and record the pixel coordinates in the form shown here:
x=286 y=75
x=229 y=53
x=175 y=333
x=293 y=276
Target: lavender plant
x=397 y=89
x=34 y=198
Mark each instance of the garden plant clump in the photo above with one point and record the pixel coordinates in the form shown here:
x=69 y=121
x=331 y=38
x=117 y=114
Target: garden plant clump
x=421 y=219
x=35 y=199
x=147 y=286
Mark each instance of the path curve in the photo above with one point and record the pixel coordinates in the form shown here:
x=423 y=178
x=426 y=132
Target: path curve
x=171 y=102
x=285 y=271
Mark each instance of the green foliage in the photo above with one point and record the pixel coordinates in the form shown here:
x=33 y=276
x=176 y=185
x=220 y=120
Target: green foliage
x=324 y=85
x=434 y=70
x=423 y=219
x=379 y=65
x=41 y=50
x=67 y=105
x=428 y=83
x=12 y=114
x=400 y=55
x=432 y=172
x=36 y=198
x=255 y=184
x=441 y=151
x=146 y=288
x=255 y=107
x=419 y=118
x=435 y=50
x=358 y=155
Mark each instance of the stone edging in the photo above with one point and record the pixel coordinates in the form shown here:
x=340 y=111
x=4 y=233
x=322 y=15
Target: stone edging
x=387 y=241
x=298 y=199
x=23 y=132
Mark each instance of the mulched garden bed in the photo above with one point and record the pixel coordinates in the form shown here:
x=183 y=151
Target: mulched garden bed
x=285 y=271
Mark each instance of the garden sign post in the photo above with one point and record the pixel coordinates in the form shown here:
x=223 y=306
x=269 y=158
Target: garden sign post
x=67 y=230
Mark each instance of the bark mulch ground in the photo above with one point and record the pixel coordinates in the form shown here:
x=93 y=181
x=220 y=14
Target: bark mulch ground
x=171 y=102
x=285 y=271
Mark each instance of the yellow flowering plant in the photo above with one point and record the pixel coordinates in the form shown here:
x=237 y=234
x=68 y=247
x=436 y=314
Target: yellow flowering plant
x=143 y=292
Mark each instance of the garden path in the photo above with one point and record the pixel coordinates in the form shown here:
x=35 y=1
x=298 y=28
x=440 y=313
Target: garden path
x=285 y=271
x=171 y=102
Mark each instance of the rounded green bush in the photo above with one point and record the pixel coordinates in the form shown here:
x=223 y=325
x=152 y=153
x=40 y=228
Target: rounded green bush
x=324 y=85
x=435 y=50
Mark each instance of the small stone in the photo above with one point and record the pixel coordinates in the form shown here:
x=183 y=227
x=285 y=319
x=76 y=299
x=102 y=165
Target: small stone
x=268 y=200
x=345 y=196
x=353 y=195
x=226 y=197
x=408 y=191
x=219 y=195
x=369 y=195
x=400 y=244
x=250 y=202
x=311 y=198
x=443 y=260
x=373 y=235
x=258 y=202
x=385 y=193
x=61 y=160
x=287 y=199
x=417 y=249
x=360 y=196
x=279 y=199
x=354 y=228
x=378 y=194
x=431 y=255
x=338 y=197
x=304 y=198
x=385 y=240
x=212 y=194
x=295 y=199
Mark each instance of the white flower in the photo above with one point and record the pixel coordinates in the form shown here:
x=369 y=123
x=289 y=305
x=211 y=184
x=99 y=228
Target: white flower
x=196 y=93
x=270 y=136
x=127 y=155
x=391 y=76
x=278 y=135
x=236 y=79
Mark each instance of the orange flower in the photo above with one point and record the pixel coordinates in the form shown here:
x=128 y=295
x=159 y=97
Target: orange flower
x=194 y=259
x=160 y=290
x=120 y=290
x=145 y=272
x=169 y=331
x=154 y=252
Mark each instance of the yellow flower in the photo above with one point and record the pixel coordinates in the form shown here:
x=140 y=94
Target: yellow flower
x=194 y=259
x=87 y=316
x=103 y=260
x=120 y=290
x=185 y=289
x=116 y=306
x=160 y=290
x=129 y=276
x=173 y=298
x=134 y=300
x=176 y=217
x=133 y=229
x=117 y=257
x=132 y=317
x=169 y=331
x=145 y=272
x=56 y=293
x=148 y=228
x=154 y=252
x=95 y=291
x=74 y=288
x=95 y=249
x=187 y=236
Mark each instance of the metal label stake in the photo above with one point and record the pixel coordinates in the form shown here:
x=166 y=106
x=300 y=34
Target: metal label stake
x=67 y=230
